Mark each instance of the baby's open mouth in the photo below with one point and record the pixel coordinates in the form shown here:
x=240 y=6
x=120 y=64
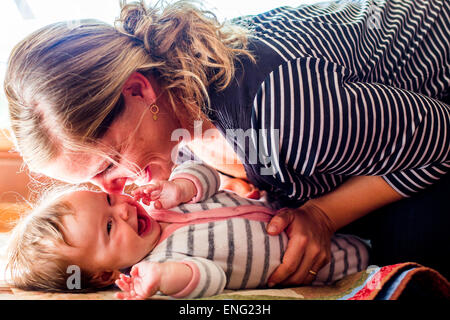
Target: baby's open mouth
x=144 y=223
x=142 y=226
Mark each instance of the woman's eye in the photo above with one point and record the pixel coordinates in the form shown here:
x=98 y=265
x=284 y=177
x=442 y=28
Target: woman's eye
x=108 y=168
x=108 y=227
x=108 y=198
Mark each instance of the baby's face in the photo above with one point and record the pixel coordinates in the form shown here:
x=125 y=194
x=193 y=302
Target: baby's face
x=108 y=232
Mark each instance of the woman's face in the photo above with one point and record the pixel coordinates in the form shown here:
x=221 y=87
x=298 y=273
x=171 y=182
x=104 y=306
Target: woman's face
x=144 y=145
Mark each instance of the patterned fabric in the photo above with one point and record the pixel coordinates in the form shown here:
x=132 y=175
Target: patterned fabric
x=224 y=240
x=404 y=280
x=391 y=282
x=202 y=176
x=353 y=88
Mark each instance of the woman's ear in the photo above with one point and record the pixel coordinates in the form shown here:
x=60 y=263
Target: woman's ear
x=105 y=278
x=138 y=85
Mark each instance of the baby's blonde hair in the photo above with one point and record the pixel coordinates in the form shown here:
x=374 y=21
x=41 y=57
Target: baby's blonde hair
x=34 y=257
x=63 y=82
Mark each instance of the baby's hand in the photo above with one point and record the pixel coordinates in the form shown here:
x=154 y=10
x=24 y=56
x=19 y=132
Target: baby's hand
x=166 y=194
x=143 y=282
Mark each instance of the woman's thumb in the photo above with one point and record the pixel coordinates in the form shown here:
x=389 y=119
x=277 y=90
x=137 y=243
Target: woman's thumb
x=279 y=222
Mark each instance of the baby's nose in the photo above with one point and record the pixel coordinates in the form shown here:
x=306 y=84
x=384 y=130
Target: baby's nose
x=123 y=212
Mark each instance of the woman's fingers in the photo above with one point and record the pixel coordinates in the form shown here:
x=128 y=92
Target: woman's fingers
x=319 y=264
x=280 y=221
x=302 y=273
x=291 y=260
x=313 y=260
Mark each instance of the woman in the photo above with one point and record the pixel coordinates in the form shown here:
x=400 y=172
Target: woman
x=334 y=109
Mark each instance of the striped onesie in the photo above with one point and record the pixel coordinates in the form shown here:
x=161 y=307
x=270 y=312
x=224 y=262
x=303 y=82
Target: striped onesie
x=223 y=238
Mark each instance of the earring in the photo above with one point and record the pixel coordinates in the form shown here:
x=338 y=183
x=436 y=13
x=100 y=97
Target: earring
x=154 y=109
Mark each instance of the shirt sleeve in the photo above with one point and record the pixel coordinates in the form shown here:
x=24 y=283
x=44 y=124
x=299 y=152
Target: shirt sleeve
x=321 y=125
x=208 y=278
x=205 y=178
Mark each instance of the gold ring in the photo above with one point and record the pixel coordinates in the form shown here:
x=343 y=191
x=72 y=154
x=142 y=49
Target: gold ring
x=313 y=272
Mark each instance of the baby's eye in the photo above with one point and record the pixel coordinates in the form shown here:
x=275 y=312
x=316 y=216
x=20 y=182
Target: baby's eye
x=109 y=226
x=108 y=199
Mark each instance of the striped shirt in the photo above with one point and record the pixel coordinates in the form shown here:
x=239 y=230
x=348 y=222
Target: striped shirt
x=341 y=89
x=224 y=240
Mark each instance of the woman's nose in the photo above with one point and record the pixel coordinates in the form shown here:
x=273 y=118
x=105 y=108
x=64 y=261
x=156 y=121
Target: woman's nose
x=114 y=185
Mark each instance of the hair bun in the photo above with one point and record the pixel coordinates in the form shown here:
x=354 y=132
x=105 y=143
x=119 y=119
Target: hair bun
x=131 y=16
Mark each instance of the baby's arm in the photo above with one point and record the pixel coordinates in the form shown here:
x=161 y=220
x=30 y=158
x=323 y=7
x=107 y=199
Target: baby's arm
x=205 y=178
x=194 y=277
x=189 y=182
x=146 y=278
x=166 y=194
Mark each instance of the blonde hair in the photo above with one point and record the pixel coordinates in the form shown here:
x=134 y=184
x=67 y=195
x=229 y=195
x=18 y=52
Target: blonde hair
x=34 y=258
x=63 y=82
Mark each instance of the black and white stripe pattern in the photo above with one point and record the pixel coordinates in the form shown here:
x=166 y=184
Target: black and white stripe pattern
x=237 y=253
x=357 y=94
x=208 y=177
x=221 y=199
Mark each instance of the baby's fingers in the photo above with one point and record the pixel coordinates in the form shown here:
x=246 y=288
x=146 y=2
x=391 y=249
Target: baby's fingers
x=147 y=196
x=134 y=271
x=122 y=285
x=122 y=296
x=158 y=204
x=148 y=189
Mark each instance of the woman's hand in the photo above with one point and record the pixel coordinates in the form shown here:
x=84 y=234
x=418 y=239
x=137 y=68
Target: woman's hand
x=309 y=248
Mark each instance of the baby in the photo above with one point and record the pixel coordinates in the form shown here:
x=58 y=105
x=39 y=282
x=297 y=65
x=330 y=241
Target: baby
x=193 y=241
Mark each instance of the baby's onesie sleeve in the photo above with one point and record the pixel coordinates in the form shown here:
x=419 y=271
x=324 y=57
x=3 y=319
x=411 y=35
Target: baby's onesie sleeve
x=205 y=178
x=349 y=255
x=208 y=279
